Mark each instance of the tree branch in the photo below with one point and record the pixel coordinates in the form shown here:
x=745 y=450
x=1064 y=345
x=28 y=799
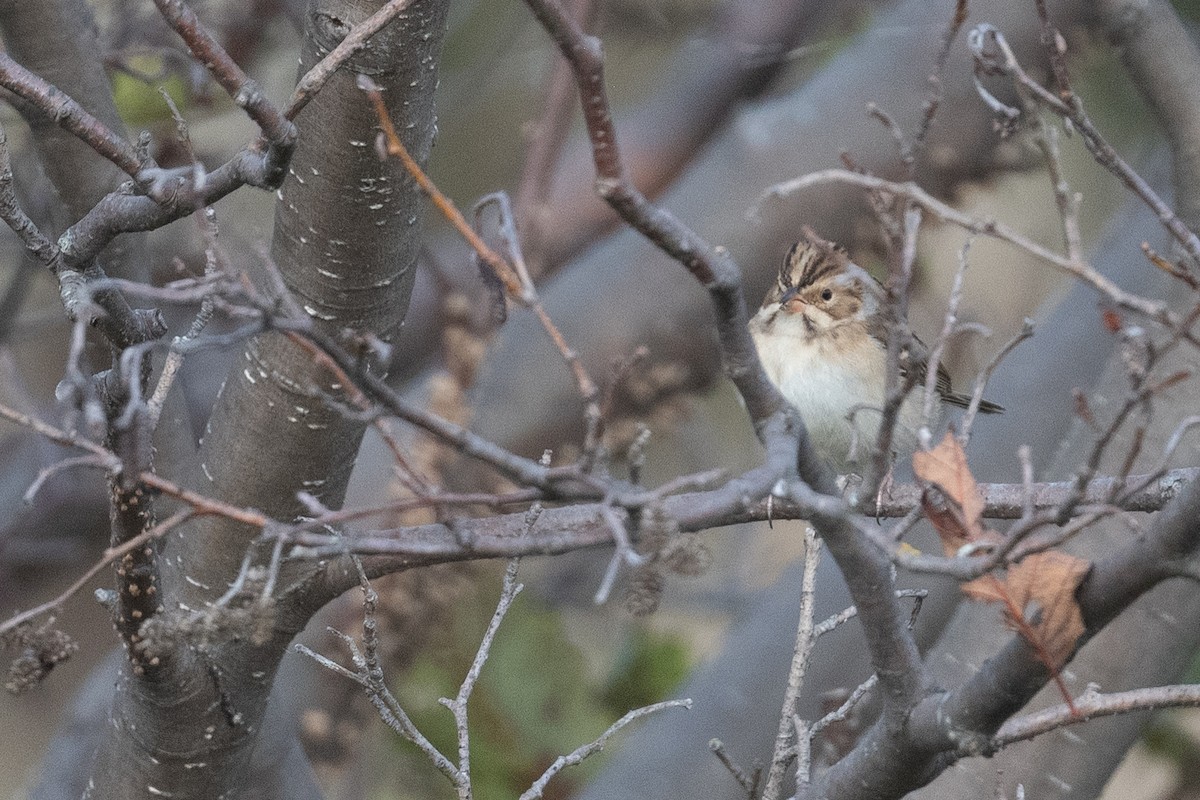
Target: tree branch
x=1092 y=705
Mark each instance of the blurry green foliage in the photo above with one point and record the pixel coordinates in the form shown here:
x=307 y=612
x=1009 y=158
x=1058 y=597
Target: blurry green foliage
x=1188 y=9
x=534 y=700
x=1193 y=673
x=139 y=101
x=649 y=668
x=1166 y=739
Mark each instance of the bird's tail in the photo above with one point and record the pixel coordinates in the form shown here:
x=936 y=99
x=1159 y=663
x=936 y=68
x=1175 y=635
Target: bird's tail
x=964 y=400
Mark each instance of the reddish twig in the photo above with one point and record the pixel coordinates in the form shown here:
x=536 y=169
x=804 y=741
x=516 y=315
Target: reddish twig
x=245 y=92
x=72 y=117
x=504 y=273
x=109 y=555
x=520 y=290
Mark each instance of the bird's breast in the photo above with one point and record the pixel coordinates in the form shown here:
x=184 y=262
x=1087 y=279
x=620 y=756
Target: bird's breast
x=825 y=378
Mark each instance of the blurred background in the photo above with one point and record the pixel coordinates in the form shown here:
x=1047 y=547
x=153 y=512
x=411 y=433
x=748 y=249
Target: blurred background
x=715 y=100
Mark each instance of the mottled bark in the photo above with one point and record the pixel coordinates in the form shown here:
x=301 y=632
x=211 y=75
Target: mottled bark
x=346 y=236
x=345 y=242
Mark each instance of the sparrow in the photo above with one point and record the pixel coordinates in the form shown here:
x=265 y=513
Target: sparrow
x=822 y=339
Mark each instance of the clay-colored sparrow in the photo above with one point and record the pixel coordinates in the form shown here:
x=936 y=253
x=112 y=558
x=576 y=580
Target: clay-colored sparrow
x=822 y=340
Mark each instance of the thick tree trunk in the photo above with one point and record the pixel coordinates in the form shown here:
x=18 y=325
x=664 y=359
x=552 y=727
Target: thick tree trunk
x=345 y=243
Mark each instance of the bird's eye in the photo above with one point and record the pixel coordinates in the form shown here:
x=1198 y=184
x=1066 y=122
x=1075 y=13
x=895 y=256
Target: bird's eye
x=827 y=295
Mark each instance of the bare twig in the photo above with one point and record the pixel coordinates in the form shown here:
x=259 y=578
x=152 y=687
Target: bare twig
x=458 y=706
x=93 y=461
x=748 y=783
x=939 y=344
x=1068 y=201
x=111 y=554
x=519 y=290
x=1092 y=704
x=395 y=147
x=624 y=553
x=834 y=621
x=316 y=78
x=535 y=791
x=369 y=675
x=785 y=738
x=72 y=117
x=936 y=90
x=582 y=526
x=545 y=140
x=104 y=308
x=175 y=356
x=897 y=385
x=807 y=733
x=991 y=50
x=992 y=228
x=968 y=418
x=276 y=128
x=712 y=267
x=67 y=438
x=843 y=711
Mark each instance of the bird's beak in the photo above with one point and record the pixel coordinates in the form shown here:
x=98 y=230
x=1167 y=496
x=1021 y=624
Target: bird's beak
x=791 y=300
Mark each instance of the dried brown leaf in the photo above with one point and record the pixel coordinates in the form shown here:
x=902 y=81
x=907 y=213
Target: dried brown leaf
x=1038 y=594
x=986 y=589
x=1050 y=579
x=947 y=520
x=1040 y=588
x=959 y=520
